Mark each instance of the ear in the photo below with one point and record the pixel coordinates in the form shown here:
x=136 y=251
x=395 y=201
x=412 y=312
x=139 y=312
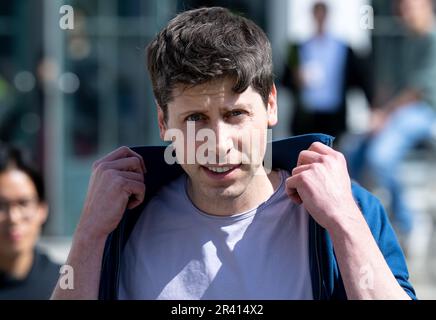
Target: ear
x=42 y=212
x=272 y=107
x=161 y=122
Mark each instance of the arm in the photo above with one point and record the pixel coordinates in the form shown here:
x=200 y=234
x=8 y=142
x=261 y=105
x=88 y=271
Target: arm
x=380 y=115
x=420 y=85
x=365 y=273
x=117 y=183
x=321 y=183
x=85 y=258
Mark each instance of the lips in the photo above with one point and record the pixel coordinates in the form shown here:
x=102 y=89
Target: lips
x=220 y=171
x=15 y=236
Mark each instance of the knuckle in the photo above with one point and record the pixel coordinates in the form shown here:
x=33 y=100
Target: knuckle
x=323 y=159
x=121 y=182
x=315 y=144
x=328 y=159
x=96 y=164
x=136 y=161
x=103 y=166
x=110 y=173
x=123 y=149
x=304 y=177
x=340 y=156
x=315 y=166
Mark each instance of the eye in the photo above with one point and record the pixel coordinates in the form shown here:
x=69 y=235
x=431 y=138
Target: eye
x=24 y=203
x=235 y=113
x=194 y=117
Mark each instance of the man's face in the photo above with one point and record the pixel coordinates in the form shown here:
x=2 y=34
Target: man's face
x=239 y=123
x=21 y=213
x=320 y=16
x=414 y=12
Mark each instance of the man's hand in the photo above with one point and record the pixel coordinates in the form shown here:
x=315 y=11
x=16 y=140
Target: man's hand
x=117 y=183
x=320 y=181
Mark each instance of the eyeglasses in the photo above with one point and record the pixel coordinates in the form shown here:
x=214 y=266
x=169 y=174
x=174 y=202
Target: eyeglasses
x=26 y=207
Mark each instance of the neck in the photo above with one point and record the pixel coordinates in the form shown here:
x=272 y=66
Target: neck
x=17 y=265
x=258 y=191
x=320 y=31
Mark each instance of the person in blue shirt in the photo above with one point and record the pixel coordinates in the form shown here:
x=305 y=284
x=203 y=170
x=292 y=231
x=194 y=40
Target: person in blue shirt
x=319 y=72
x=403 y=111
x=221 y=213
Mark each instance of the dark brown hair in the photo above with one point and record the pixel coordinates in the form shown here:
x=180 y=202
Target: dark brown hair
x=204 y=44
x=12 y=157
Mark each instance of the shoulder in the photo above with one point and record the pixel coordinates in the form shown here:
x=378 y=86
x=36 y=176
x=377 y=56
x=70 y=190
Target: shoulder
x=44 y=264
x=164 y=209
x=169 y=195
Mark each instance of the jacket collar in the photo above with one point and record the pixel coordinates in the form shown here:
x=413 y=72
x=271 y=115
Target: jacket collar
x=284 y=156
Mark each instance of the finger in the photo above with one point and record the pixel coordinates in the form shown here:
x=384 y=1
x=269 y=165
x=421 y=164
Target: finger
x=136 y=190
x=308 y=157
x=293 y=194
x=123 y=152
x=301 y=168
x=296 y=181
x=296 y=198
x=125 y=164
x=144 y=168
x=320 y=148
x=131 y=175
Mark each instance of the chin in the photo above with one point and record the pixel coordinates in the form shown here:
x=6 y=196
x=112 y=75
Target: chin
x=231 y=192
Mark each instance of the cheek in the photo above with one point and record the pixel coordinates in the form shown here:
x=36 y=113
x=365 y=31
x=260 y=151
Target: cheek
x=31 y=235
x=253 y=142
x=35 y=226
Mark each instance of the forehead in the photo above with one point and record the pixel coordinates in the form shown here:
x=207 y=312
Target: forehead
x=217 y=93
x=15 y=183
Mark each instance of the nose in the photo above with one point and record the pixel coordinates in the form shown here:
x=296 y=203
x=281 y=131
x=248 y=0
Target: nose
x=224 y=141
x=13 y=214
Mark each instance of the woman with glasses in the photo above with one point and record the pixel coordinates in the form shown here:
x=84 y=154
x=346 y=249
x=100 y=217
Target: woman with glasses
x=25 y=272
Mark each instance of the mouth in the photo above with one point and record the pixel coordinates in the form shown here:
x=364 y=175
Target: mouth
x=14 y=236
x=220 y=171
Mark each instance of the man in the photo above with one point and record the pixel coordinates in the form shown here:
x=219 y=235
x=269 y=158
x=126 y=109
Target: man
x=227 y=228
x=319 y=72
x=25 y=271
x=406 y=116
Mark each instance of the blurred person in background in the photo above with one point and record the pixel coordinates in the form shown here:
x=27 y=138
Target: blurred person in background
x=318 y=72
x=406 y=117
x=25 y=272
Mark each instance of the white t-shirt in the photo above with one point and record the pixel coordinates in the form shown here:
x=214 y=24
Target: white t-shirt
x=178 y=252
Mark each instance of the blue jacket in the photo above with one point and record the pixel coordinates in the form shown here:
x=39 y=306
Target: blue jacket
x=326 y=278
